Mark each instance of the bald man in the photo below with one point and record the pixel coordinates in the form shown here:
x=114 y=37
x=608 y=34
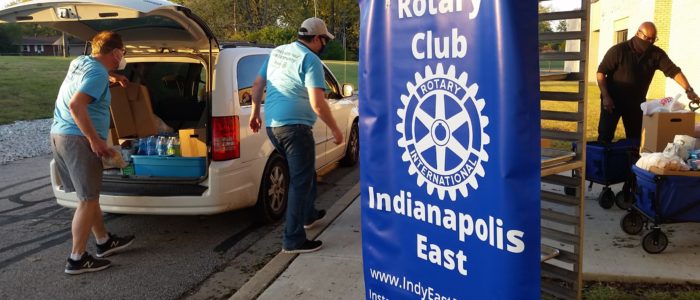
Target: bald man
x=624 y=77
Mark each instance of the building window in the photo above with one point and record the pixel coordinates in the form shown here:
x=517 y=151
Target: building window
x=620 y=36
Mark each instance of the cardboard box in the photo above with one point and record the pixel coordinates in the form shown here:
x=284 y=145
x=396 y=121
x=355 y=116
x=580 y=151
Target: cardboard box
x=663 y=172
x=112 y=137
x=131 y=110
x=193 y=142
x=659 y=129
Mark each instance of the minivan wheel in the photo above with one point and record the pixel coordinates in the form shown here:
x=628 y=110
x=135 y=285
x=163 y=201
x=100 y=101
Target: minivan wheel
x=352 y=154
x=272 y=199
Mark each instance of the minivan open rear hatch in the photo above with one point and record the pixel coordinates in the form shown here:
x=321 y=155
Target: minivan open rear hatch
x=145 y=25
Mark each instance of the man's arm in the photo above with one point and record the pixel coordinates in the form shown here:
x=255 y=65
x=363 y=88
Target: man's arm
x=608 y=104
x=79 y=110
x=116 y=78
x=683 y=82
x=320 y=107
x=258 y=87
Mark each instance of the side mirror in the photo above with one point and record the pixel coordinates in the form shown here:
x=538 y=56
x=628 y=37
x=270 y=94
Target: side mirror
x=348 y=89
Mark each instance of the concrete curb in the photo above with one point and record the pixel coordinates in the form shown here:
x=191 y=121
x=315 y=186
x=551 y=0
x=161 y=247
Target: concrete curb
x=265 y=276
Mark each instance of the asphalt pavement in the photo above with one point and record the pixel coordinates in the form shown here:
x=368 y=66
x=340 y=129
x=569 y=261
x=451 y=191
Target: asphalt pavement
x=173 y=256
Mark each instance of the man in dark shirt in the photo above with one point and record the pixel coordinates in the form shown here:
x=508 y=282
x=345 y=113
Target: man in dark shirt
x=624 y=77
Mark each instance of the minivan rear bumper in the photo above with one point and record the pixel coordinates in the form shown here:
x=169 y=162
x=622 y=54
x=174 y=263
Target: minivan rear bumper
x=227 y=190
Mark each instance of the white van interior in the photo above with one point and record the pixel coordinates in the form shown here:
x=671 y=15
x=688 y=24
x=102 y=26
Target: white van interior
x=176 y=89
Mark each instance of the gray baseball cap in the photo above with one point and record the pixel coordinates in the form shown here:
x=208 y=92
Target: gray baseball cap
x=315 y=26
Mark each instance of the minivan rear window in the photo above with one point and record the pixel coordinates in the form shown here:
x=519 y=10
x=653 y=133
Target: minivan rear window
x=136 y=23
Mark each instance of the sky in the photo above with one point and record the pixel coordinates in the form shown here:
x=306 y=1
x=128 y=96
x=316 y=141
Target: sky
x=563 y=5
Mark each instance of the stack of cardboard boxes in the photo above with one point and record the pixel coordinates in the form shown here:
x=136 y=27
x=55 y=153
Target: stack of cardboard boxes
x=133 y=118
x=659 y=129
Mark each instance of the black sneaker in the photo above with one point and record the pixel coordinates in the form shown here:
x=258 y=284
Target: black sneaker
x=319 y=217
x=308 y=246
x=86 y=264
x=114 y=245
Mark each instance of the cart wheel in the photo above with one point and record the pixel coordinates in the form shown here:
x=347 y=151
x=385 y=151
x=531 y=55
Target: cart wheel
x=655 y=242
x=632 y=223
x=606 y=199
x=624 y=200
x=570 y=191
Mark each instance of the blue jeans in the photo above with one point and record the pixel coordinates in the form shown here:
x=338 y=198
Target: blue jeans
x=296 y=144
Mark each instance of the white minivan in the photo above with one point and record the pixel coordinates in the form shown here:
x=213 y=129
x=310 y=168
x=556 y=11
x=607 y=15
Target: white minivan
x=193 y=82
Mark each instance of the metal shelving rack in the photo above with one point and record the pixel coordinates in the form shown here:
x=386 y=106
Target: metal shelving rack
x=561 y=214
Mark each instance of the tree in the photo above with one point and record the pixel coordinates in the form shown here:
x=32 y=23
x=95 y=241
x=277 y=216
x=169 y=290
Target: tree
x=544 y=26
x=10 y=36
x=277 y=21
x=561 y=26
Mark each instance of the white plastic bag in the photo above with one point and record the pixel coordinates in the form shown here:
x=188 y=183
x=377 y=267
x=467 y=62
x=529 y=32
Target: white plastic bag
x=661 y=161
x=668 y=104
x=687 y=143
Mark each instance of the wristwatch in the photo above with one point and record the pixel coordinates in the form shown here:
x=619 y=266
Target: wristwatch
x=690 y=89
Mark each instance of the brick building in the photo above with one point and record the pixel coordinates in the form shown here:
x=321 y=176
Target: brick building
x=677 y=22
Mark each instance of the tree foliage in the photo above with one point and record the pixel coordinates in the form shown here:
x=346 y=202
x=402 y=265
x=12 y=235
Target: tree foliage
x=277 y=21
x=10 y=35
x=267 y=21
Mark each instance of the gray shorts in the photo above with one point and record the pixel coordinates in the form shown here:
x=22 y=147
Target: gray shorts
x=79 y=169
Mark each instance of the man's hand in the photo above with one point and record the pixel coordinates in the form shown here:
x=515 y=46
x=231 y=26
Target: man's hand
x=255 y=122
x=608 y=104
x=115 y=78
x=337 y=136
x=693 y=97
x=101 y=148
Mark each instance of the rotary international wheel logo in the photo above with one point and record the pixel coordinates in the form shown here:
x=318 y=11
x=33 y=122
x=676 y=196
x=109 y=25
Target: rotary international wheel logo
x=442 y=132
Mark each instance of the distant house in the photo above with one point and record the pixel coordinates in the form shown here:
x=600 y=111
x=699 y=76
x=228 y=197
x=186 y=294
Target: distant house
x=50 y=46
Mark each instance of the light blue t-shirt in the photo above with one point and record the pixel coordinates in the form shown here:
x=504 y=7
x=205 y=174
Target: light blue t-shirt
x=90 y=77
x=289 y=71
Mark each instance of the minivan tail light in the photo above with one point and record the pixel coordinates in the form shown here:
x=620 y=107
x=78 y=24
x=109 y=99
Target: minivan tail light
x=226 y=141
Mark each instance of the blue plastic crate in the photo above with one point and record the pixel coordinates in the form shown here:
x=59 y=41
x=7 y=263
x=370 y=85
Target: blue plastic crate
x=610 y=163
x=168 y=166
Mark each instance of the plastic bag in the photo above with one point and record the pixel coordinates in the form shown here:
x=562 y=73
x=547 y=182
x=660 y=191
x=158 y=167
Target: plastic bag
x=673 y=150
x=161 y=126
x=687 y=143
x=661 y=161
x=115 y=161
x=668 y=104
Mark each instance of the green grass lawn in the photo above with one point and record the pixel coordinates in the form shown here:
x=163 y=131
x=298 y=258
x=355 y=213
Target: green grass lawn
x=632 y=291
x=593 y=109
x=28 y=86
x=345 y=71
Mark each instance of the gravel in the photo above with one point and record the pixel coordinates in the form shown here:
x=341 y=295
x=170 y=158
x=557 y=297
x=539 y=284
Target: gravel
x=24 y=139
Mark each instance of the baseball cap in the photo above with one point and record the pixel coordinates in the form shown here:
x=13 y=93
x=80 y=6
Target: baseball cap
x=314 y=26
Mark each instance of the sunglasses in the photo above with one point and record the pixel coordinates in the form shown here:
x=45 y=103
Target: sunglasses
x=648 y=38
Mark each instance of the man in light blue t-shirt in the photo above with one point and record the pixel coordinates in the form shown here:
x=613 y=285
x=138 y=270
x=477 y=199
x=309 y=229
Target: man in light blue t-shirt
x=78 y=133
x=294 y=77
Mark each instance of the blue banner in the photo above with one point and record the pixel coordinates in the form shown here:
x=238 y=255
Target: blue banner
x=450 y=162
